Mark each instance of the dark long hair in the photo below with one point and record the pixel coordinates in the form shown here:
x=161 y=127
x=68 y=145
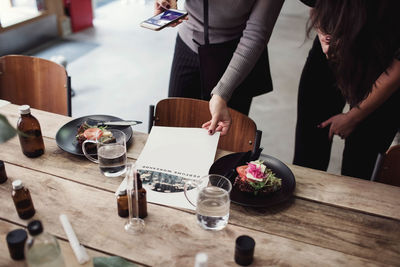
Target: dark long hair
x=365 y=35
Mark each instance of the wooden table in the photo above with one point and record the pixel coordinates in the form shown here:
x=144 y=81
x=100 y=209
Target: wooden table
x=331 y=220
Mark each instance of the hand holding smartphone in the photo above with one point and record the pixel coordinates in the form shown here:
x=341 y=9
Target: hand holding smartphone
x=164 y=19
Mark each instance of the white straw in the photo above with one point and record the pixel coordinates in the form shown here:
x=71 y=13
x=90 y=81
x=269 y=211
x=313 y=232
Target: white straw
x=79 y=250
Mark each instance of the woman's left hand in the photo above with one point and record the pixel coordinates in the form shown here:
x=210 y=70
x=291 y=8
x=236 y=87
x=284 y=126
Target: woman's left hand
x=325 y=40
x=341 y=125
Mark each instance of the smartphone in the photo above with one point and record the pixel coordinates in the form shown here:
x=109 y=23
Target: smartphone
x=164 y=19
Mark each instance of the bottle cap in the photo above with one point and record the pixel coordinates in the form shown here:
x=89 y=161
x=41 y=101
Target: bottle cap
x=35 y=227
x=122 y=192
x=244 y=250
x=17 y=184
x=201 y=260
x=16 y=242
x=24 y=109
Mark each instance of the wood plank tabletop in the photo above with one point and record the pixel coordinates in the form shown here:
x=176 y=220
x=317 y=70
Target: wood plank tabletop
x=171 y=233
x=331 y=220
x=375 y=198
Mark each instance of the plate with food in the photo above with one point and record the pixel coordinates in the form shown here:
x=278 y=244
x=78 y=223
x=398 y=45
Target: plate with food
x=256 y=183
x=71 y=136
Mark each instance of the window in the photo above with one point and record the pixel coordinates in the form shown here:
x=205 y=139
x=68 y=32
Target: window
x=16 y=11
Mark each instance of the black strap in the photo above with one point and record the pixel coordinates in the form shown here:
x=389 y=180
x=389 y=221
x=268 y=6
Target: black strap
x=206 y=40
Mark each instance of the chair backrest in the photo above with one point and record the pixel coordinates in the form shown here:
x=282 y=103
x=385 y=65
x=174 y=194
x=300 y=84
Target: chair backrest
x=188 y=112
x=388 y=169
x=37 y=82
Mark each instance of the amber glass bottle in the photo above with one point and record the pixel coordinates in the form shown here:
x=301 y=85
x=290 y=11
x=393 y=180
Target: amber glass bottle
x=122 y=203
x=3 y=174
x=30 y=135
x=22 y=200
x=142 y=201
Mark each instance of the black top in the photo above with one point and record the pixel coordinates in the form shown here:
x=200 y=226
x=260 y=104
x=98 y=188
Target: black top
x=35 y=227
x=16 y=237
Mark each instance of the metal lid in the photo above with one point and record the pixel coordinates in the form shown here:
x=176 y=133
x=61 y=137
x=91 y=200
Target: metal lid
x=17 y=184
x=35 y=227
x=122 y=192
x=24 y=109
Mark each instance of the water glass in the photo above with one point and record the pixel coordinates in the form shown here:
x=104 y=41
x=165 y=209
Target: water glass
x=213 y=201
x=111 y=153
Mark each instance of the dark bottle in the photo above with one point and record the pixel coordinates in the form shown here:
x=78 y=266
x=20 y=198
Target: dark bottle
x=3 y=174
x=22 y=200
x=122 y=203
x=16 y=243
x=30 y=135
x=142 y=202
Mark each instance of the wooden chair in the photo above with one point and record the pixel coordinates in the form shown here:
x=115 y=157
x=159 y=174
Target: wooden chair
x=186 y=112
x=37 y=82
x=387 y=167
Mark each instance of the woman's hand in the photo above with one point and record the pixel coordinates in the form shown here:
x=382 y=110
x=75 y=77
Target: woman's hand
x=162 y=5
x=342 y=125
x=220 y=117
x=325 y=40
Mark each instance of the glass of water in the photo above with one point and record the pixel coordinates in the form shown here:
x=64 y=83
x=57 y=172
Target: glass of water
x=212 y=200
x=111 y=153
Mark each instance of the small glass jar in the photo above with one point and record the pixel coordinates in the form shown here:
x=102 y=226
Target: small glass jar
x=122 y=203
x=30 y=134
x=22 y=200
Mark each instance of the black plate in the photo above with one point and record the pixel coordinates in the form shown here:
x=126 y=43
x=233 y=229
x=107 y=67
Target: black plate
x=226 y=163
x=65 y=136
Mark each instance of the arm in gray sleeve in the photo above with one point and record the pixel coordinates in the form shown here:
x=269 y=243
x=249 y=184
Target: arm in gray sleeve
x=255 y=37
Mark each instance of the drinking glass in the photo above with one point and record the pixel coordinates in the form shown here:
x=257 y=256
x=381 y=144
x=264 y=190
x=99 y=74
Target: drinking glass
x=213 y=201
x=111 y=153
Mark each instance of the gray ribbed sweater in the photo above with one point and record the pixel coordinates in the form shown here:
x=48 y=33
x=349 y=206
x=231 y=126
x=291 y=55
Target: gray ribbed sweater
x=254 y=20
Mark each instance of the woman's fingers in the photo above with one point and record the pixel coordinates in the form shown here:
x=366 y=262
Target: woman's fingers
x=179 y=22
x=160 y=6
x=206 y=125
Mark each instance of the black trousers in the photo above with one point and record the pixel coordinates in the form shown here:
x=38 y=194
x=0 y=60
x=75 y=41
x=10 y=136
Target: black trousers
x=318 y=100
x=185 y=79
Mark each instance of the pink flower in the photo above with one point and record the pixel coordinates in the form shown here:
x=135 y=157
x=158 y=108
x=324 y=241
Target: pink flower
x=255 y=171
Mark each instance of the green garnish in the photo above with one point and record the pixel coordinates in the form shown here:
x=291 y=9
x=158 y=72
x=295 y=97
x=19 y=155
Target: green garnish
x=270 y=181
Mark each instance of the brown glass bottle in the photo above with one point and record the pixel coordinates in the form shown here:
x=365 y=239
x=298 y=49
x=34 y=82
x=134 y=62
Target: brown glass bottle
x=22 y=200
x=30 y=135
x=3 y=174
x=142 y=201
x=122 y=203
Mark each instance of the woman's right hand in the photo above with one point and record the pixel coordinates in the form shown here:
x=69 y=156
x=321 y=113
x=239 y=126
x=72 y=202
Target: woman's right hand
x=220 y=118
x=161 y=5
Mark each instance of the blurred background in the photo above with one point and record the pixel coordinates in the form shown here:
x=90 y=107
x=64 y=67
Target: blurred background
x=118 y=68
